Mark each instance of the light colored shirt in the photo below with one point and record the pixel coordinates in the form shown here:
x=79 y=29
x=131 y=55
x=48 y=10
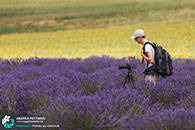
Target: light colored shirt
x=149 y=48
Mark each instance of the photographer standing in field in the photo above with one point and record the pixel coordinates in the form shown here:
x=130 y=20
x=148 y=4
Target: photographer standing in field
x=148 y=55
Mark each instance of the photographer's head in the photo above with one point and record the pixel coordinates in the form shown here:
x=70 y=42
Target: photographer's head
x=139 y=36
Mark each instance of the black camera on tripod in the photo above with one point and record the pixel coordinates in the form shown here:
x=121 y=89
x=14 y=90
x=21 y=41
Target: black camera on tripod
x=129 y=76
x=127 y=66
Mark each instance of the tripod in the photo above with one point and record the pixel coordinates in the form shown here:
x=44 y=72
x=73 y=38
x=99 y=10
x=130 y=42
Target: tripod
x=129 y=78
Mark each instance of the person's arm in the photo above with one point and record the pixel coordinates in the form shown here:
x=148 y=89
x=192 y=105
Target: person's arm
x=149 y=58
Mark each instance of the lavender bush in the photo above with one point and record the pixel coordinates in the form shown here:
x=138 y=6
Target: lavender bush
x=88 y=94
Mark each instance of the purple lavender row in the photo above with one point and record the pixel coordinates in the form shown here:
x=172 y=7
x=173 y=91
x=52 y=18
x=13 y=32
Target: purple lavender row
x=88 y=94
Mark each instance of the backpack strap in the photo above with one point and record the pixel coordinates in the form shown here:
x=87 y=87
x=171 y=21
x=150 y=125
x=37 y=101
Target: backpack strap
x=153 y=45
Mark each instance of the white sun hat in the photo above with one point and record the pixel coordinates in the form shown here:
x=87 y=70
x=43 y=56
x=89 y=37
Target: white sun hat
x=138 y=33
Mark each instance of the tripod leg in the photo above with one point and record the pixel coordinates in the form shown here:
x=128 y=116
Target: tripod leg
x=129 y=79
x=125 y=82
x=132 y=80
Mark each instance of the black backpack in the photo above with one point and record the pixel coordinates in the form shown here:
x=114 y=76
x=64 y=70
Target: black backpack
x=163 y=61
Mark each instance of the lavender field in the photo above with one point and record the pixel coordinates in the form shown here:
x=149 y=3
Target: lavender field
x=88 y=94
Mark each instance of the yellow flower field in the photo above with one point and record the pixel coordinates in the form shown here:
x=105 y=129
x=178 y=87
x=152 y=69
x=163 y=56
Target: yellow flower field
x=177 y=38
